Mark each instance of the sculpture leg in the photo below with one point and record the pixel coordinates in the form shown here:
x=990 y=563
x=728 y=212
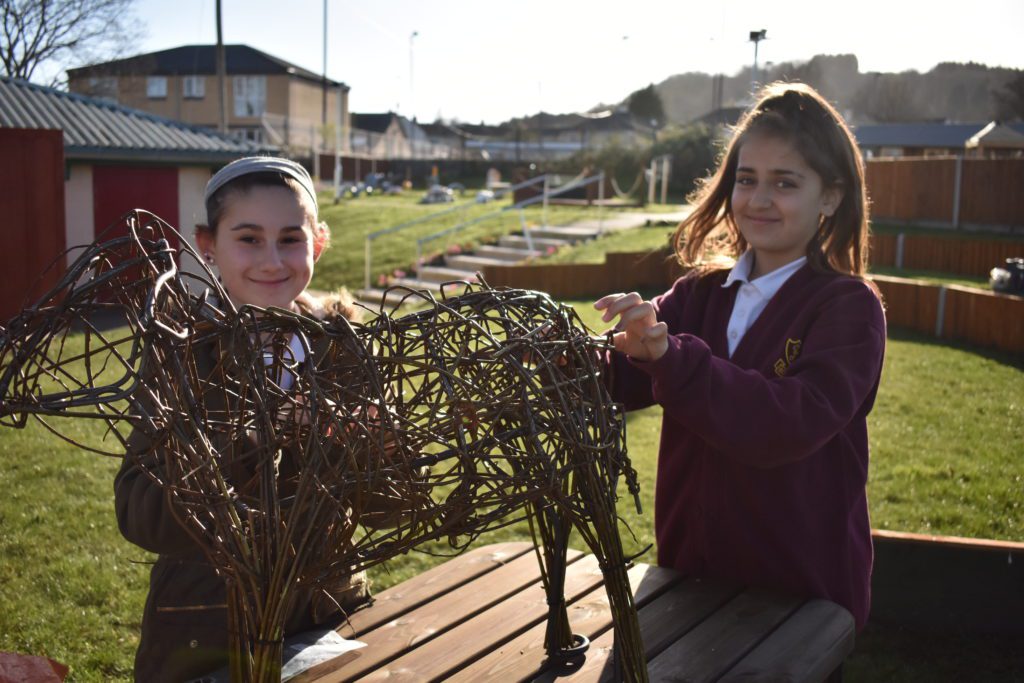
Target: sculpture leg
x=561 y=645
x=601 y=535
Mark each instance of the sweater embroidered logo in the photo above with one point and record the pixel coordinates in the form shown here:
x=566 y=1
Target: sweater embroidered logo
x=792 y=351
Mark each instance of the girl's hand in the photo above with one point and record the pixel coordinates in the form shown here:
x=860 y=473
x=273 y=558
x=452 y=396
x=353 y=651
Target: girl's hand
x=639 y=334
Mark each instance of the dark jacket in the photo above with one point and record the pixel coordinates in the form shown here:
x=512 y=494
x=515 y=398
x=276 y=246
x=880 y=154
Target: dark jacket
x=184 y=625
x=764 y=456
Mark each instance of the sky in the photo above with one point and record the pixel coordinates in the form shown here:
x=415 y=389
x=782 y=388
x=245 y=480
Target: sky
x=480 y=61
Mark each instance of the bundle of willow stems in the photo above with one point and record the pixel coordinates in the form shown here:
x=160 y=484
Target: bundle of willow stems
x=470 y=413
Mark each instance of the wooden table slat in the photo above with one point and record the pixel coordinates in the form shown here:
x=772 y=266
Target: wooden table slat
x=423 y=623
x=422 y=588
x=724 y=638
x=590 y=615
x=473 y=639
x=807 y=648
x=674 y=613
x=481 y=616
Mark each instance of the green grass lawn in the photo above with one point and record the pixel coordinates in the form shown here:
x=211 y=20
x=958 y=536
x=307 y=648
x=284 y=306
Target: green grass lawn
x=945 y=438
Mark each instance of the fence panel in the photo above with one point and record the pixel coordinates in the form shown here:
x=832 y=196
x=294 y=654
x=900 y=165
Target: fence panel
x=984 y=318
x=882 y=251
x=958 y=255
x=909 y=303
x=993 y=192
x=912 y=188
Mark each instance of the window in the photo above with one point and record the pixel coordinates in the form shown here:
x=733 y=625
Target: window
x=250 y=95
x=156 y=87
x=102 y=88
x=193 y=87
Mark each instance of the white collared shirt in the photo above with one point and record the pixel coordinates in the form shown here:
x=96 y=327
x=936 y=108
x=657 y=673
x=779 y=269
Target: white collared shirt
x=754 y=295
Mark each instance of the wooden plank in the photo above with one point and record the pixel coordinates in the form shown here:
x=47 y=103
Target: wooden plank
x=809 y=646
x=473 y=639
x=711 y=649
x=589 y=616
x=424 y=623
x=438 y=580
x=662 y=622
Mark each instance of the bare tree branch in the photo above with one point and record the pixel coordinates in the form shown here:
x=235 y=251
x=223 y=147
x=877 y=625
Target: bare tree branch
x=60 y=32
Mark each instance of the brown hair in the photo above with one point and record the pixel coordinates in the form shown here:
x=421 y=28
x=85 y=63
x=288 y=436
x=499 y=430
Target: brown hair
x=217 y=202
x=796 y=113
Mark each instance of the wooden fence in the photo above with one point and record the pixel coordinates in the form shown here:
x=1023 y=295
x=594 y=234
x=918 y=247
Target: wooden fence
x=947 y=191
x=944 y=311
x=957 y=254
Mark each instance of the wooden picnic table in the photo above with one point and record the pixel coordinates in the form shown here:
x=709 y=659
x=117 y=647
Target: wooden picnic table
x=481 y=616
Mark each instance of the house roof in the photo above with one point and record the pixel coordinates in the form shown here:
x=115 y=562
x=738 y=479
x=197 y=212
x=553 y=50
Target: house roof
x=94 y=129
x=190 y=60
x=948 y=135
x=996 y=136
x=378 y=123
x=375 y=123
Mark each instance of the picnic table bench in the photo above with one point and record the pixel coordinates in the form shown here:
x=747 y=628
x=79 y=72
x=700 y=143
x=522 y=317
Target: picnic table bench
x=481 y=616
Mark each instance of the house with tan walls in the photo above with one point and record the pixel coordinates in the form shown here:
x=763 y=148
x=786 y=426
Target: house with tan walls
x=268 y=100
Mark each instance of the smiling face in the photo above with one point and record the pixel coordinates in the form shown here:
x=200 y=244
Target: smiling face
x=777 y=201
x=263 y=246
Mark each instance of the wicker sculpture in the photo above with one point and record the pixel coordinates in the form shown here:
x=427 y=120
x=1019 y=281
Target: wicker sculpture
x=439 y=424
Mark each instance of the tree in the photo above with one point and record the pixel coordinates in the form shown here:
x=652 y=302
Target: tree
x=646 y=105
x=1010 y=100
x=40 y=31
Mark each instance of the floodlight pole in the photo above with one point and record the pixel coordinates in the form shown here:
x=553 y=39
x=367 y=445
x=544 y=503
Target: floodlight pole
x=221 y=72
x=412 y=86
x=755 y=37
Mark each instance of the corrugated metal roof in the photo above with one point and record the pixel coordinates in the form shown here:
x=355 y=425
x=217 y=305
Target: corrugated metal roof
x=949 y=135
x=94 y=129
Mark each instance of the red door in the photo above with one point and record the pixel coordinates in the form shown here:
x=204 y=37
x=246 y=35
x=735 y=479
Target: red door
x=116 y=190
x=31 y=215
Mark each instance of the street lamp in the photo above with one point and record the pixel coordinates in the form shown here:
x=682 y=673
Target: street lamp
x=755 y=37
x=412 y=87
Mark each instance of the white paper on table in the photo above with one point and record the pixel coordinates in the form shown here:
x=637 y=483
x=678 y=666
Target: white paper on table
x=301 y=652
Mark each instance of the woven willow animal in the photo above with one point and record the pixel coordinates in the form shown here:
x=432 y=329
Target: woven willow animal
x=438 y=424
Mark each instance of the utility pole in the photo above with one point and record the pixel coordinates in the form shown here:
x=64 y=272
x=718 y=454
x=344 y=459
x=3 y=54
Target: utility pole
x=412 y=86
x=323 y=108
x=222 y=81
x=755 y=37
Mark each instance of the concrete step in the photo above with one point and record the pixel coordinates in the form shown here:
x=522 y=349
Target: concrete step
x=505 y=253
x=371 y=298
x=445 y=273
x=617 y=222
x=474 y=264
x=569 y=233
x=435 y=287
x=519 y=242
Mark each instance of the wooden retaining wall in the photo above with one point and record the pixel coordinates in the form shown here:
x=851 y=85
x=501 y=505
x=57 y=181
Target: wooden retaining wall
x=944 y=311
x=954 y=254
x=948 y=584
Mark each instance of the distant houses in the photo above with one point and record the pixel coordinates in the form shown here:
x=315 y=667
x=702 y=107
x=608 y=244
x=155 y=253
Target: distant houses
x=940 y=139
x=269 y=100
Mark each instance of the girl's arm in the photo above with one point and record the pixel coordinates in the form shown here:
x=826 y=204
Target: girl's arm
x=769 y=421
x=143 y=507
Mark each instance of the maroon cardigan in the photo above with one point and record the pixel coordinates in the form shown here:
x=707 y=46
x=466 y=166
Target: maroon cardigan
x=764 y=457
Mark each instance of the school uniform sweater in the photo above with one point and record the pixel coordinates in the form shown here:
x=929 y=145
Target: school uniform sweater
x=764 y=456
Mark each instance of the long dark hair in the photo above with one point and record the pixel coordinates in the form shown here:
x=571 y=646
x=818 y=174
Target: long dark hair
x=796 y=113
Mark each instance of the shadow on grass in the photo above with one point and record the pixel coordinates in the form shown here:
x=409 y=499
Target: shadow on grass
x=891 y=652
x=1015 y=360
